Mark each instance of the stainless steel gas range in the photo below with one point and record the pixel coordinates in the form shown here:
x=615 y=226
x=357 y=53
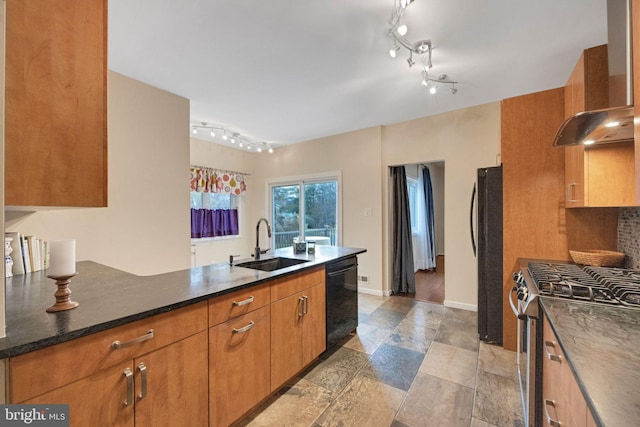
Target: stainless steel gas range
x=591 y=285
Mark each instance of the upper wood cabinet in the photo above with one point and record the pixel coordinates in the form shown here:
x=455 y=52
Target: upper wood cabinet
x=56 y=103
x=601 y=175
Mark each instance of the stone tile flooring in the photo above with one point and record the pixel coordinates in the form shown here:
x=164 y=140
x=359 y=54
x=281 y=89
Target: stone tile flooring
x=410 y=364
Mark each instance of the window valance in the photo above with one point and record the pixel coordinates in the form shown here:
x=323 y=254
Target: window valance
x=209 y=180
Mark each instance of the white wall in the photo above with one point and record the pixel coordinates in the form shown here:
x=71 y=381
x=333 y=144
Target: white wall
x=357 y=155
x=204 y=153
x=465 y=140
x=146 y=227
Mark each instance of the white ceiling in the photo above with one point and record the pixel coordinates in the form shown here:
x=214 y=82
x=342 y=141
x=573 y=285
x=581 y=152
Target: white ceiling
x=285 y=71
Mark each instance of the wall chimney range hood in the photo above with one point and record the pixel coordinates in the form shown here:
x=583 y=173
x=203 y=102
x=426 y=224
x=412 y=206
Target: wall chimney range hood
x=597 y=127
x=614 y=124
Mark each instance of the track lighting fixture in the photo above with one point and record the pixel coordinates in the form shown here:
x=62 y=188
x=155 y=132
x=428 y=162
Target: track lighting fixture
x=235 y=138
x=422 y=48
x=432 y=83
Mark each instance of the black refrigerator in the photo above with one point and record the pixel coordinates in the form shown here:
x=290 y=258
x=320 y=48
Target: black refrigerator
x=489 y=231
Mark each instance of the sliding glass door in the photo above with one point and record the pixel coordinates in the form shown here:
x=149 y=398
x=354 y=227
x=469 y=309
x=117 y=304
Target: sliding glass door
x=305 y=208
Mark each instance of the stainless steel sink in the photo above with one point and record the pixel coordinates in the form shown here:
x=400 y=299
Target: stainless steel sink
x=271 y=264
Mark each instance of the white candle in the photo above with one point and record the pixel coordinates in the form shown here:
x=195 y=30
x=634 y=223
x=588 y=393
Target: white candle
x=62 y=258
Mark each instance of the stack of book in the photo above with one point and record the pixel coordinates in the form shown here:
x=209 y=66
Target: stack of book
x=29 y=253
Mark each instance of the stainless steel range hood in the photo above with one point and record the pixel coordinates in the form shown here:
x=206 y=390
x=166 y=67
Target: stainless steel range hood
x=598 y=127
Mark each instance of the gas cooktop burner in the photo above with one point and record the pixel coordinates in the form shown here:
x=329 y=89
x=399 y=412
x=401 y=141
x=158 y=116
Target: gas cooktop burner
x=605 y=285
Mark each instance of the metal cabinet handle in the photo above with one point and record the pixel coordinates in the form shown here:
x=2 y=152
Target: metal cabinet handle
x=305 y=310
x=129 y=377
x=550 y=356
x=550 y=421
x=301 y=304
x=244 y=302
x=244 y=329
x=571 y=190
x=118 y=345
x=143 y=376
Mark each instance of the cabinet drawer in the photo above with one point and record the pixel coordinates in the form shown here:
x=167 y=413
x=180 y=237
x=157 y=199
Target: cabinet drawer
x=289 y=285
x=239 y=365
x=237 y=303
x=43 y=370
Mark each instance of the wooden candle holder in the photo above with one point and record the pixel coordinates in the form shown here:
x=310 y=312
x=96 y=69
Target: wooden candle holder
x=62 y=294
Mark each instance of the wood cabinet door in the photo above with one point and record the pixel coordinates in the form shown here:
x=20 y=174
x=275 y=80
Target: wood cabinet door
x=176 y=385
x=574 y=172
x=286 y=339
x=239 y=365
x=97 y=400
x=56 y=103
x=314 y=332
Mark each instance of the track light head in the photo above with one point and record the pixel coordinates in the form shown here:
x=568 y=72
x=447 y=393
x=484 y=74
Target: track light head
x=410 y=60
x=402 y=30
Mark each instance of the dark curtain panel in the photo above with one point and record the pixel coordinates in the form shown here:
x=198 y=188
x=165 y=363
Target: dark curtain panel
x=403 y=274
x=213 y=222
x=430 y=223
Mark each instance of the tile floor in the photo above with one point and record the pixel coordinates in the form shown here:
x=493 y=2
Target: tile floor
x=411 y=364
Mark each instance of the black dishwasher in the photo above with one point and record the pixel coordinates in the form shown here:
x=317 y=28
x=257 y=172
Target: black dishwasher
x=342 y=299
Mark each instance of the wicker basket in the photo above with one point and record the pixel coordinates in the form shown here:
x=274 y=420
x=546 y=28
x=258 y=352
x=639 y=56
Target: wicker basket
x=598 y=258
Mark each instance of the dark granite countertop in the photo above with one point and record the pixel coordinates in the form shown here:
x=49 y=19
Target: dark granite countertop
x=110 y=297
x=602 y=346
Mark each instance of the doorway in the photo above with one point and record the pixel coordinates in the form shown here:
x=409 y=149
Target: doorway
x=428 y=263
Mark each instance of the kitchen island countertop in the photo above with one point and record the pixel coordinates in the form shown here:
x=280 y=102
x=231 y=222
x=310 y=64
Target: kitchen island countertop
x=602 y=346
x=109 y=297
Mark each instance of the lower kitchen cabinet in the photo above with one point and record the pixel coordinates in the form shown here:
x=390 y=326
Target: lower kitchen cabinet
x=152 y=372
x=298 y=332
x=562 y=400
x=96 y=400
x=177 y=389
x=239 y=365
x=149 y=391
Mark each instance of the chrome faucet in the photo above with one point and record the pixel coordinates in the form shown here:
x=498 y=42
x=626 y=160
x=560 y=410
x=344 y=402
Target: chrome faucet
x=258 y=251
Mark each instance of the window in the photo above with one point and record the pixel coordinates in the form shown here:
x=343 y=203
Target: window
x=214 y=201
x=214 y=215
x=306 y=207
x=412 y=189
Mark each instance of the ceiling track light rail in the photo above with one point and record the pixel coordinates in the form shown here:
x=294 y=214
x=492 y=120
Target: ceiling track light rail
x=422 y=48
x=235 y=138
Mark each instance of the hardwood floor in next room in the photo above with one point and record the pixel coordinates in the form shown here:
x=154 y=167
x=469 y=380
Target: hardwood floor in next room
x=410 y=364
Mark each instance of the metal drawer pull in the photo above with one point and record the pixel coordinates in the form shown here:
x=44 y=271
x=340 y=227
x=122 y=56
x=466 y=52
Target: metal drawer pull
x=118 y=345
x=301 y=303
x=244 y=329
x=143 y=376
x=551 y=422
x=570 y=192
x=245 y=302
x=550 y=356
x=306 y=305
x=129 y=376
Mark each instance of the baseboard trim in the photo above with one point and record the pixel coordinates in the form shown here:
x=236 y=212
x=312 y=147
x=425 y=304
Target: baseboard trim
x=460 y=305
x=375 y=292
